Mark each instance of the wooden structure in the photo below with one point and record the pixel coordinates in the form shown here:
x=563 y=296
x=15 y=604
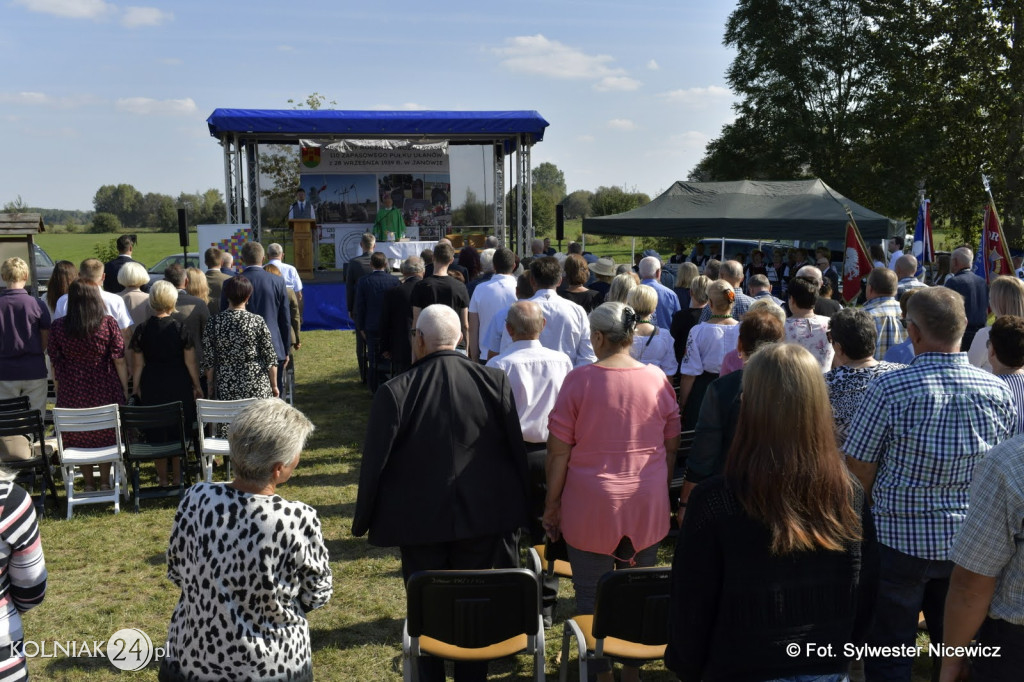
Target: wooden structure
x=302 y=243
x=16 y=239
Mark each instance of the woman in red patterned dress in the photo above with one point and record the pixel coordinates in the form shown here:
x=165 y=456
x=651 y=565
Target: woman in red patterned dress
x=87 y=353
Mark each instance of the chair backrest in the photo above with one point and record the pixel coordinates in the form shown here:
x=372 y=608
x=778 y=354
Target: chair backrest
x=149 y=430
x=86 y=418
x=473 y=609
x=219 y=411
x=633 y=604
x=14 y=404
x=25 y=422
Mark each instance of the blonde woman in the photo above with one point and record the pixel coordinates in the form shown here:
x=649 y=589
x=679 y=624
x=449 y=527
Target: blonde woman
x=688 y=318
x=764 y=556
x=651 y=345
x=1005 y=297
x=706 y=345
x=197 y=286
x=620 y=288
x=133 y=276
x=684 y=277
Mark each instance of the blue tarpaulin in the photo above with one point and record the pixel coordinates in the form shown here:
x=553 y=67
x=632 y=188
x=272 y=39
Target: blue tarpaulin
x=323 y=307
x=275 y=123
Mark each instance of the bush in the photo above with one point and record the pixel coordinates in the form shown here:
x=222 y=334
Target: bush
x=105 y=223
x=106 y=252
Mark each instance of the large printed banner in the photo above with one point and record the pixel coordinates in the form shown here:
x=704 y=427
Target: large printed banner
x=228 y=238
x=347 y=181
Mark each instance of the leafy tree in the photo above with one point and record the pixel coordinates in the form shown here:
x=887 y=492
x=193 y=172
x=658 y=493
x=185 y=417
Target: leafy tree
x=16 y=206
x=612 y=200
x=547 y=179
x=106 y=252
x=578 y=204
x=472 y=212
x=159 y=211
x=105 y=222
x=123 y=201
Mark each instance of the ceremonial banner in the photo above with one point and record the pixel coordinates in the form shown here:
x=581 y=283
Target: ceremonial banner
x=924 y=249
x=375 y=156
x=857 y=263
x=997 y=259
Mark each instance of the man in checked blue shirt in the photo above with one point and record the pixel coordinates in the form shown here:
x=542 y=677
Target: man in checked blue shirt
x=913 y=444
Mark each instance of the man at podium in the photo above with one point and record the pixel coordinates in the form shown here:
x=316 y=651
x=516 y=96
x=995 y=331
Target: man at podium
x=303 y=209
x=389 y=219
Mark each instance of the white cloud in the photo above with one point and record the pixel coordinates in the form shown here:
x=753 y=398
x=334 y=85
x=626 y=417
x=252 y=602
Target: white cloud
x=42 y=99
x=621 y=124
x=172 y=61
x=71 y=9
x=540 y=56
x=698 y=97
x=146 y=106
x=618 y=83
x=653 y=65
x=285 y=48
x=691 y=141
x=134 y=17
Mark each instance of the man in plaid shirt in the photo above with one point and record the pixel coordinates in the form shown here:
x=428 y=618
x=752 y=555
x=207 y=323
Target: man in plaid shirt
x=884 y=309
x=913 y=444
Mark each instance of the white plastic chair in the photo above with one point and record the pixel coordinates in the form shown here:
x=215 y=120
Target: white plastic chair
x=216 y=412
x=76 y=420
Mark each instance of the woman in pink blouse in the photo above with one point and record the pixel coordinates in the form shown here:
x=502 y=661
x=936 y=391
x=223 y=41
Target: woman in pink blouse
x=614 y=432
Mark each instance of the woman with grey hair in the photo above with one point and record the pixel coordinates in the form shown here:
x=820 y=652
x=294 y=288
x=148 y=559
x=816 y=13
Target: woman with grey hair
x=249 y=563
x=609 y=461
x=133 y=276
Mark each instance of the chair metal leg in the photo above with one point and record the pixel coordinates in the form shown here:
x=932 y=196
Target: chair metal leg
x=539 y=674
x=136 y=483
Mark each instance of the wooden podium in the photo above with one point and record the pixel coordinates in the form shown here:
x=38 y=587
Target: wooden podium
x=302 y=242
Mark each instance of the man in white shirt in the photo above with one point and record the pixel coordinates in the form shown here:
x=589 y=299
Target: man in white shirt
x=567 y=328
x=489 y=299
x=895 y=251
x=91 y=270
x=275 y=256
x=535 y=374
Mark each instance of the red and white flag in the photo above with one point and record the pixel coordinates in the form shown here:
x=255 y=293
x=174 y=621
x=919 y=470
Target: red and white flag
x=993 y=244
x=856 y=262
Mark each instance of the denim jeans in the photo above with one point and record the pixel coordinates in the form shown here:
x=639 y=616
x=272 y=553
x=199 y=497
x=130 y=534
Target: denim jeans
x=907 y=586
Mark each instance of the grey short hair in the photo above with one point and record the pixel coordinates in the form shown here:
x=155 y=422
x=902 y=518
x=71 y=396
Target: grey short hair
x=266 y=433
x=227 y=259
x=649 y=266
x=413 y=265
x=275 y=250
x=811 y=272
x=440 y=326
x=607 y=318
x=759 y=282
x=962 y=255
x=487 y=260
x=525 y=319
x=491 y=242
x=768 y=305
x=367 y=241
x=537 y=245
x=132 y=275
x=731 y=271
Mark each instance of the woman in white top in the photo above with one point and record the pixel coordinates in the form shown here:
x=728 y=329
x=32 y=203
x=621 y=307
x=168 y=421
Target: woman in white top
x=706 y=345
x=1005 y=297
x=651 y=345
x=806 y=328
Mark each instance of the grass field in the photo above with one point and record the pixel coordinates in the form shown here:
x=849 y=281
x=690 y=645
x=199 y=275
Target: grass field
x=108 y=572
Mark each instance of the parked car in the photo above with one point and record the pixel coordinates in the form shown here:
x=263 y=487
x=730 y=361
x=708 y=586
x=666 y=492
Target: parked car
x=44 y=268
x=194 y=261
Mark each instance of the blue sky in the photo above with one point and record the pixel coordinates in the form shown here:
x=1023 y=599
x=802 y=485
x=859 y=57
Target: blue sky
x=97 y=92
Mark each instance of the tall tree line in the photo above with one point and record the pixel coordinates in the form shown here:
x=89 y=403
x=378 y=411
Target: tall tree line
x=880 y=98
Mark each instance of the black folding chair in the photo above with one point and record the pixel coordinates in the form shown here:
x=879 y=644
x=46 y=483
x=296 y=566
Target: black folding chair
x=630 y=621
x=35 y=470
x=153 y=432
x=14 y=404
x=472 y=616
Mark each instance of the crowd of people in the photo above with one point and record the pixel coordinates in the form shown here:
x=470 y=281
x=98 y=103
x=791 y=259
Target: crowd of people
x=839 y=456
x=851 y=467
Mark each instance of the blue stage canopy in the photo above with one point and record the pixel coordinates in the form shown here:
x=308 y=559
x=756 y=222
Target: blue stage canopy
x=289 y=124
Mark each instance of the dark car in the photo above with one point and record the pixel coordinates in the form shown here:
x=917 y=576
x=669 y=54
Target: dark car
x=44 y=268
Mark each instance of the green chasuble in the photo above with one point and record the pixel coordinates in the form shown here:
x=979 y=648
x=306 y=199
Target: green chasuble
x=388 y=220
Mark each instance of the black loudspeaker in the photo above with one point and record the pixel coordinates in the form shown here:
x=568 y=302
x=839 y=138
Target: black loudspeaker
x=183 y=228
x=559 y=222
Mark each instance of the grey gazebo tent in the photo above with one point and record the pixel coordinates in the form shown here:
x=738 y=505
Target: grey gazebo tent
x=807 y=210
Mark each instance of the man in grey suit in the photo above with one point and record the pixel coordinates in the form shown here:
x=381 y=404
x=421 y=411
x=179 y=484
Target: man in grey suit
x=355 y=269
x=191 y=310
x=214 y=276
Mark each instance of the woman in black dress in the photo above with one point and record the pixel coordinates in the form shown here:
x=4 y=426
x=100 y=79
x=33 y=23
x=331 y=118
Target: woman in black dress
x=165 y=369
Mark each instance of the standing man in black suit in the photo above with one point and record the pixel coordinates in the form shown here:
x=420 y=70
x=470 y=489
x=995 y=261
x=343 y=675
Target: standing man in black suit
x=269 y=300
x=215 y=277
x=396 y=317
x=355 y=269
x=448 y=487
x=125 y=246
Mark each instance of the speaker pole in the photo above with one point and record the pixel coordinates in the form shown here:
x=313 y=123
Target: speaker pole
x=183 y=234
x=559 y=224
